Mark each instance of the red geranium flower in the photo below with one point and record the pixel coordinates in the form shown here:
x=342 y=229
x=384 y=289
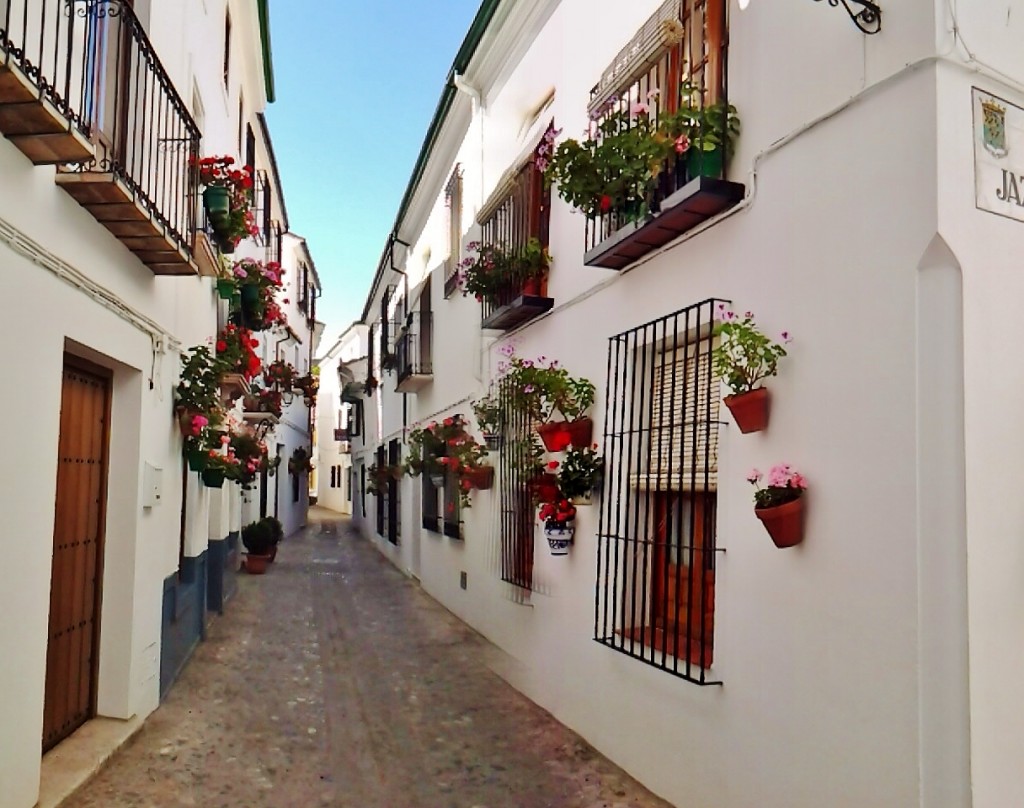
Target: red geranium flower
x=606 y=203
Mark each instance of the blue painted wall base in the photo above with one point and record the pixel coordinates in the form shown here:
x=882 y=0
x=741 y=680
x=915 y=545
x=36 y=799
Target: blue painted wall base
x=183 y=620
x=217 y=572
x=232 y=561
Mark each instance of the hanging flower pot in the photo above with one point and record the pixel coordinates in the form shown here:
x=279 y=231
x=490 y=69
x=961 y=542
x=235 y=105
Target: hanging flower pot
x=197 y=461
x=188 y=424
x=492 y=441
x=559 y=535
x=226 y=244
x=437 y=480
x=784 y=523
x=217 y=201
x=581 y=432
x=555 y=435
x=213 y=478
x=225 y=288
x=750 y=410
x=250 y=296
x=256 y=564
x=481 y=478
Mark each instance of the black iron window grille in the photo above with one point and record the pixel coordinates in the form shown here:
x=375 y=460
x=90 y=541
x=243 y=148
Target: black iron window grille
x=453 y=201
x=452 y=527
x=274 y=243
x=431 y=515
x=657 y=546
x=355 y=419
x=394 y=514
x=509 y=225
x=387 y=333
x=516 y=469
x=380 y=494
x=264 y=208
x=362 y=488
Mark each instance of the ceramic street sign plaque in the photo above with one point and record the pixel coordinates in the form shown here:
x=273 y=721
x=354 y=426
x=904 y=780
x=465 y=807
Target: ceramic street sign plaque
x=998 y=155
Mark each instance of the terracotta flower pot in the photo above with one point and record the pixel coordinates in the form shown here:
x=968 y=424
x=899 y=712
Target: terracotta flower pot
x=784 y=523
x=749 y=410
x=256 y=564
x=531 y=286
x=480 y=478
x=272 y=556
x=581 y=432
x=555 y=435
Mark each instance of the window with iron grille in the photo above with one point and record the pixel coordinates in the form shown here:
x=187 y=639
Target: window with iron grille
x=521 y=213
x=657 y=545
x=381 y=495
x=684 y=41
x=355 y=419
x=452 y=507
x=453 y=201
x=516 y=514
x=274 y=243
x=394 y=515
x=371 y=355
x=431 y=516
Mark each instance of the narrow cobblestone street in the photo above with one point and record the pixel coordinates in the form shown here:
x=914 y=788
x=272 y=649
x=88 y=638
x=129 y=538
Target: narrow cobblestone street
x=334 y=681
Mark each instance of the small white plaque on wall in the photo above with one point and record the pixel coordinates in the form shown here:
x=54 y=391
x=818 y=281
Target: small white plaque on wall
x=152 y=485
x=998 y=155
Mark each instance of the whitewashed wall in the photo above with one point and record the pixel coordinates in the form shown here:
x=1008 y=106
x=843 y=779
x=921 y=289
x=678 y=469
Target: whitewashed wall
x=845 y=661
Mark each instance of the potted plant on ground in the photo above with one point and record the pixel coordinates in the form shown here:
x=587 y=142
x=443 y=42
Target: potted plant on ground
x=258 y=540
x=579 y=474
x=490 y=419
x=276 y=530
x=497 y=274
x=744 y=357
x=780 y=505
x=559 y=525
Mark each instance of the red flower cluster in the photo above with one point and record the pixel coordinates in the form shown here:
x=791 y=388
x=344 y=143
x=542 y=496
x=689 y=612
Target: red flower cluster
x=218 y=171
x=561 y=511
x=236 y=351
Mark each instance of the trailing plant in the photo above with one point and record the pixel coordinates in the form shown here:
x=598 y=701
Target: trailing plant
x=379 y=476
x=442 y=446
x=489 y=416
x=251 y=453
x=300 y=462
x=540 y=388
x=198 y=386
x=280 y=374
x=580 y=472
x=258 y=285
x=743 y=356
x=496 y=270
x=784 y=485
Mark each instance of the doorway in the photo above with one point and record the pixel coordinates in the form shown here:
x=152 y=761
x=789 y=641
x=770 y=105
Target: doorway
x=72 y=653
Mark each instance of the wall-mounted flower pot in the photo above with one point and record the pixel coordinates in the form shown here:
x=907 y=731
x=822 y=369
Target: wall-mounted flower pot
x=185 y=423
x=559 y=535
x=249 y=293
x=581 y=432
x=213 y=478
x=437 y=480
x=543 y=487
x=555 y=436
x=700 y=163
x=225 y=244
x=784 y=523
x=584 y=499
x=481 y=478
x=217 y=201
x=256 y=564
x=750 y=410
x=225 y=288
x=197 y=461
x=493 y=441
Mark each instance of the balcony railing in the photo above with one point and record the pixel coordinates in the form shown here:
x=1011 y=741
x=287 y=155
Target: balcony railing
x=690 y=189
x=414 y=352
x=141 y=183
x=47 y=80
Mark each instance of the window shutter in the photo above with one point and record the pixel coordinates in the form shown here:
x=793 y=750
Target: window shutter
x=685 y=406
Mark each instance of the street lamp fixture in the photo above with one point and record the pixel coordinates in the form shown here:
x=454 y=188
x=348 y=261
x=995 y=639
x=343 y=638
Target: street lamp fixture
x=867 y=16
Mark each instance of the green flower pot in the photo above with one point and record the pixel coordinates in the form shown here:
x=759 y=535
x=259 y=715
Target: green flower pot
x=224 y=244
x=217 y=201
x=704 y=163
x=225 y=288
x=250 y=293
x=197 y=461
x=213 y=478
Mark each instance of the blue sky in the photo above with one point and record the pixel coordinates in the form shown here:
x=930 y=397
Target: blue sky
x=357 y=82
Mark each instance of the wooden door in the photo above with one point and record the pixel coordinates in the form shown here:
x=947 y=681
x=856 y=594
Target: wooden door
x=683 y=575
x=75 y=583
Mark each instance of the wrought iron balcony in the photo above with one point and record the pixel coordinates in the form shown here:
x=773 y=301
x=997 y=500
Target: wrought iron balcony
x=48 y=78
x=91 y=61
x=414 y=352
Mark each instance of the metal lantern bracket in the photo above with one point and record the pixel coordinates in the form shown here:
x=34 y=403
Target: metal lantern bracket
x=867 y=16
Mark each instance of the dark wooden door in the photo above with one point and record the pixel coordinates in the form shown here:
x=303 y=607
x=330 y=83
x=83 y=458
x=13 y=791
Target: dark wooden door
x=72 y=649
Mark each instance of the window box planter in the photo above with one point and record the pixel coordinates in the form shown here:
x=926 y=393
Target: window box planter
x=693 y=204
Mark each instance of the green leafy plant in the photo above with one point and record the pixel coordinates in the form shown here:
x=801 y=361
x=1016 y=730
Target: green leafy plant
x=540 y=388
x=489 y=416
x=496 y=270
x=444 y=446
x=378 y=477
x=743 y=356
x=580 y=472
x=258 y=537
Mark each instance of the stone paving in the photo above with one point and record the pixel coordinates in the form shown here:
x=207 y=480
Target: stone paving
x=334 y=681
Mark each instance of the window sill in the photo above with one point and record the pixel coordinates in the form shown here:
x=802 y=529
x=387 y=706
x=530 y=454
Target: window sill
x=690 y=206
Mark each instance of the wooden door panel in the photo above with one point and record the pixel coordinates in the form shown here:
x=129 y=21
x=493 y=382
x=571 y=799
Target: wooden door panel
x=77 y=552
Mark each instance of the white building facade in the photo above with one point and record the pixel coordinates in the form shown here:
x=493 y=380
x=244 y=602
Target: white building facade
x=123 y=553
x=870 y=209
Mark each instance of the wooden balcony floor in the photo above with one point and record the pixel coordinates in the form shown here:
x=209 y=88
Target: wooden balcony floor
x=114 y=206
x=35 y=125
